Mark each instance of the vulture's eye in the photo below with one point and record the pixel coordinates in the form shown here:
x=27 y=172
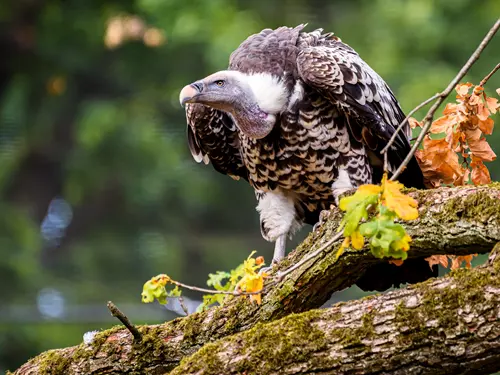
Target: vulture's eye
x=219 y=83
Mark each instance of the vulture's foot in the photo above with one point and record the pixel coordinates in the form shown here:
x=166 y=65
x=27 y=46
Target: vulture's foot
x=279 y=253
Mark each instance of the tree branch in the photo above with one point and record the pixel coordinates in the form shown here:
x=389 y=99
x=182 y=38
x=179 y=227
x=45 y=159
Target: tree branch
x=445 y=326
x=490 y=74
x=115 y=311
x=458 y=221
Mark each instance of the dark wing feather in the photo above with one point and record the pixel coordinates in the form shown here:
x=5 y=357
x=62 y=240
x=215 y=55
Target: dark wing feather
x=212 y=139
x=372 y=111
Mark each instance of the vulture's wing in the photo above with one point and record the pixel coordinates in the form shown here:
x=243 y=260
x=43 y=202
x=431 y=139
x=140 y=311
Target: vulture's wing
x=212 y=138
x=372 y=111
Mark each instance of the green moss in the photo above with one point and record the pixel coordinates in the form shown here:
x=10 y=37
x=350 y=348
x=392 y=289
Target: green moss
x=206 y=360
x=292 y=339
x=351 y=337
x=53 y=363
x=479 y=206
x=470 y=292
x=192 y=326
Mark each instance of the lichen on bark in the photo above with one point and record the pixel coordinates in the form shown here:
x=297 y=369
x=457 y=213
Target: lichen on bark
x=458 y=316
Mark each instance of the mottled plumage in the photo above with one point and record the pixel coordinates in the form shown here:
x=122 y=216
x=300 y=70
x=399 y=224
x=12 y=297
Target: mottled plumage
x=302 y=118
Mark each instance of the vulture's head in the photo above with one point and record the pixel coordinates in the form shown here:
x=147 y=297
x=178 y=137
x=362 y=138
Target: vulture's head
x=253 y=100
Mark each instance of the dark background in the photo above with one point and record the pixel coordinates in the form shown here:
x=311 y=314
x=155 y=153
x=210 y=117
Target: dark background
x=98 y=190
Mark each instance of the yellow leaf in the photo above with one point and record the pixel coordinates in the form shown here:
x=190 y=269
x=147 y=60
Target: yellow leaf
x=403 y=205
x=253 y=283
x=345 y=245
x=362 y=192
x=357 y=240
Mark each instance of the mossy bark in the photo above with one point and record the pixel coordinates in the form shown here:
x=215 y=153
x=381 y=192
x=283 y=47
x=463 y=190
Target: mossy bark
x=452 y=221
x=443 y=326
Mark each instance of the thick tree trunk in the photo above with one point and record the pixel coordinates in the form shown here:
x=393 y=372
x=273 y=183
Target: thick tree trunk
x=452 y=221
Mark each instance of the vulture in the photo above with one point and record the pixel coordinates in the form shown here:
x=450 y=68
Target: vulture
x=302 y=118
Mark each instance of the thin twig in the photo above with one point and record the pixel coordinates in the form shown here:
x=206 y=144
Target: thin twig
x=183 y=306
x=126 y=322
x=281 y=275
x=393 y=138
x=430 y=115
x=485 y=79
x=213 y=291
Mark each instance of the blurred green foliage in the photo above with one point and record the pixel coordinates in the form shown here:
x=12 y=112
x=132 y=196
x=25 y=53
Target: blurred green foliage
x=99 y=191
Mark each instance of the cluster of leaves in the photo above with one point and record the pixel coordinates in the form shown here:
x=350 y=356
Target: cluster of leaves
x=245 y=278
x=155 y=288
x=459 y=133
x=456 y=260
x=387 y=203
x=455 y=150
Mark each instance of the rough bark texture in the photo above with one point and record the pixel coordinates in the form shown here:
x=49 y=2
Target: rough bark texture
x=452 y=221
x=444 y=326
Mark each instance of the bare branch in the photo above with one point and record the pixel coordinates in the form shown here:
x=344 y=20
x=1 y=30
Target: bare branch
x=490 y=74
x=213 y=291
x=183 y=305
x=280 y=275
x=115 y=311
x=430 y=115
x=391 y=141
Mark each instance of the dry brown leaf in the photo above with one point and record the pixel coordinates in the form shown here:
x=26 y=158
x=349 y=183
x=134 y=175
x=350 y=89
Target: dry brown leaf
x=396 y=262
x=458 y=260
x=437 y=259
x=450 y=108
x=463 y=88
x=439 y=162
x=486 y=126
x=453 y=139
x=478 y=145
x=443 y=124
x=480 y=174
x=478 y=90
x=482 y=112
x=474 y=99
x=492 y=104
x=414 y=123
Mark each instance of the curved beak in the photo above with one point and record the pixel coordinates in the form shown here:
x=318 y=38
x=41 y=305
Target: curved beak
x=190 y=92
